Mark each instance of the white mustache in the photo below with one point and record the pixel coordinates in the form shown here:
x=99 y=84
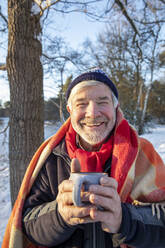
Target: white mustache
x=90 y=121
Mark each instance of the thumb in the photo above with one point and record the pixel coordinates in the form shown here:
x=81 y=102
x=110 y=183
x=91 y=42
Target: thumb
x=75 y=165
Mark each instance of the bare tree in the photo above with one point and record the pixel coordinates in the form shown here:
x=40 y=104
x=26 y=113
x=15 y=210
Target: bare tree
x=152 y=62
x=25 y=76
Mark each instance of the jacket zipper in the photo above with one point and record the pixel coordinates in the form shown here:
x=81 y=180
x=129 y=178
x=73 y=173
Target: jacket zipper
x=94 y=235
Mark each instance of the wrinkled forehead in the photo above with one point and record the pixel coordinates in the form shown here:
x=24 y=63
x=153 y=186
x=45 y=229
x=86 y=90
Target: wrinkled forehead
x=80 y=86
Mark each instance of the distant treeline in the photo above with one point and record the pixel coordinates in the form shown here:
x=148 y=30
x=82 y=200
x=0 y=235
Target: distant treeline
x=4 y=112
x=155 y=108
x=51 y=110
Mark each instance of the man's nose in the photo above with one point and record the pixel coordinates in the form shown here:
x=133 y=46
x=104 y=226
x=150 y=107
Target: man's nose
x=92 y=110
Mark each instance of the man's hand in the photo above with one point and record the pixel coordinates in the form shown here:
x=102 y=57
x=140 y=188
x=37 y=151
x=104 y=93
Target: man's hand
x=71 y=214
x=106 y=196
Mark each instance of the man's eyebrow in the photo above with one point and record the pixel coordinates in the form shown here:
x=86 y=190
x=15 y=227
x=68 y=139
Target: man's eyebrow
x=80 y=99
x=102 y=98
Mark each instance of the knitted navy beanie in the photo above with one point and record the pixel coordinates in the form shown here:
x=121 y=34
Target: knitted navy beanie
x=97 y=75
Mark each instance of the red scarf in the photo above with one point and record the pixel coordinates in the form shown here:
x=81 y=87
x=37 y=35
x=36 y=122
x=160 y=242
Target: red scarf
x=90 y=161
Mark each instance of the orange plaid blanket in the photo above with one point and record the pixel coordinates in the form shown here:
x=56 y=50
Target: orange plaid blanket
x=136 y=166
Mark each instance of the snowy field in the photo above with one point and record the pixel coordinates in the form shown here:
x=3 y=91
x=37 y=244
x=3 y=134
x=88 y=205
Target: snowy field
x=156 y=137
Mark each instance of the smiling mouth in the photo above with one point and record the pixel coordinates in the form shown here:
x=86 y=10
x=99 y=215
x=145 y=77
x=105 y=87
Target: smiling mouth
x=92 y=124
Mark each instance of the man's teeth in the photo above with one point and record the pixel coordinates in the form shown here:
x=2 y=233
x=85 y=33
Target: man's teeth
x=91 y=125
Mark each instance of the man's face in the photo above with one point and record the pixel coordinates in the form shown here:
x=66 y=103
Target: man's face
x=92 y=114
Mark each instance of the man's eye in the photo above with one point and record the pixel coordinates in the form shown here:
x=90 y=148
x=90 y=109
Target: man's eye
x=81 y=105
x=102 y=103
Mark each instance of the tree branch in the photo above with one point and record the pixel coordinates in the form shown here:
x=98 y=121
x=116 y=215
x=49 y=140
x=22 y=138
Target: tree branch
x=153 y=22
x=66 y=58
x=3 y=17
x=48 y=5
x=119 y=3
x=5 y=129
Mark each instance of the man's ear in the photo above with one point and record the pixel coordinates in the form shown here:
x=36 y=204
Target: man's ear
x=68 y=109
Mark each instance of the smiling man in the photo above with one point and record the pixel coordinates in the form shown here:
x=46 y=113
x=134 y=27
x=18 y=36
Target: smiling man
x=96 y=138
x=92 y=112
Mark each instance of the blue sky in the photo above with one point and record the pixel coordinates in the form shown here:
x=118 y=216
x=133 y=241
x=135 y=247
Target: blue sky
x=77 y=27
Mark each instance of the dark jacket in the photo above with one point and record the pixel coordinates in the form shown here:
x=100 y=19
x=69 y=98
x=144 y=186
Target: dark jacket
x=44 y=226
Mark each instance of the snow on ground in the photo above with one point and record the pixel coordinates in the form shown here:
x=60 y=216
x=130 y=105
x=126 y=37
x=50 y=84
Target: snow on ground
x=156 y=137
x=5 y=206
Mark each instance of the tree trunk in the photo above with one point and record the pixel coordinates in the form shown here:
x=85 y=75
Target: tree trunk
x=62 y=119
x=144 y=109
x=25 y=76
x=139 y=95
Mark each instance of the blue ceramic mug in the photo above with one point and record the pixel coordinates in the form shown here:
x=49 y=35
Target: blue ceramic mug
x=84 y=179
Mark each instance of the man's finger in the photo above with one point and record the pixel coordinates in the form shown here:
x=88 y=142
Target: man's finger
x=103 y=191
x=75 y=165
x=107 y=203
x=109 y=181
x=66 y=198
x=65 y=186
